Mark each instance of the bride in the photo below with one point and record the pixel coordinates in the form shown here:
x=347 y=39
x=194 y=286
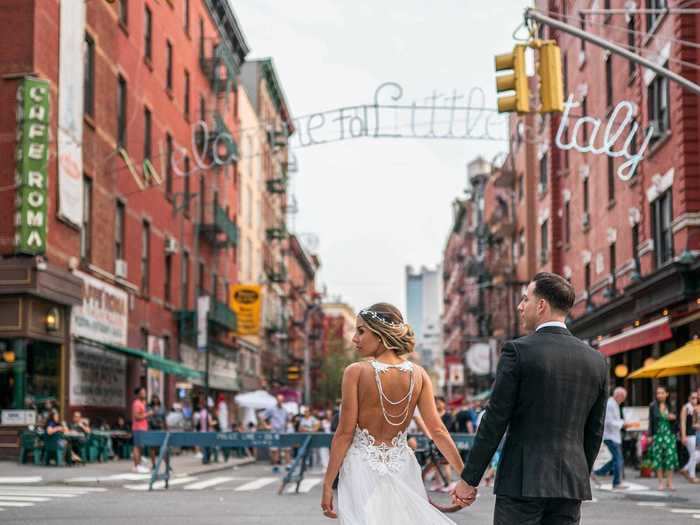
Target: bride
x=380 y=479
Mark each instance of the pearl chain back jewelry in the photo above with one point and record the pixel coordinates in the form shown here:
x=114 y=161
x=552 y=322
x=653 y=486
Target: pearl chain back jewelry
x=379 y=317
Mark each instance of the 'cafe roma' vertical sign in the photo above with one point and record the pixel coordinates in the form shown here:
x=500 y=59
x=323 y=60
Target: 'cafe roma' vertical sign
x=32 y=155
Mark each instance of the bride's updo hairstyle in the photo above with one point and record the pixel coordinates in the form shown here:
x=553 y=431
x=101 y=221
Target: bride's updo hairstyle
x=386 y=322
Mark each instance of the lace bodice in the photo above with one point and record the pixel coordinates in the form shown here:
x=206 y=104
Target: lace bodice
x=381 y=458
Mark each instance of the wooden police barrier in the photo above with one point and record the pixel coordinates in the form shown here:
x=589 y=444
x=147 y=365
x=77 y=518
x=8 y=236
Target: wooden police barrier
x=305 y=441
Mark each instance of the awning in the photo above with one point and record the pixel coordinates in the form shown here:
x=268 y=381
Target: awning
x=649 y=333
x=153 y=361
x=684 y=361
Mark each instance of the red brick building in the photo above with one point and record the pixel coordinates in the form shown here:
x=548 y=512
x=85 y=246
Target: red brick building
x=630 y=247
x=157 y=196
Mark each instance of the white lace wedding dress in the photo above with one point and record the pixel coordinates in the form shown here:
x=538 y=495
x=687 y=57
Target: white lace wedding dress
x=381 y=484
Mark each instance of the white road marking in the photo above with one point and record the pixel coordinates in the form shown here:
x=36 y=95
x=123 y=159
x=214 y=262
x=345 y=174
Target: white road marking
x=652 y=504
x=306 y=486
x=207 y=483
x=17 y=504
x=129 y=476
x=257 y=484
x=3 y=499
x=684 y=511
x=629 y=487
x=61 y=490
x=161 y=484
x=21 y=479
x=40 y=494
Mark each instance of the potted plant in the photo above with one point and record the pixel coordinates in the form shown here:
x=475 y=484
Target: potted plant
x=645 y=467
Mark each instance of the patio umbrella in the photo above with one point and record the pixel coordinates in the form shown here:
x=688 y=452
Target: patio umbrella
x=256 y=400
x=684 y=361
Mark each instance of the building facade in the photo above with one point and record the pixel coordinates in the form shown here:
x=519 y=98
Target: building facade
x=135 y=215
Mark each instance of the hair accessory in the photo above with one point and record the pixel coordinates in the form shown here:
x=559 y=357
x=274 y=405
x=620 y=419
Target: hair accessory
x=379 y=317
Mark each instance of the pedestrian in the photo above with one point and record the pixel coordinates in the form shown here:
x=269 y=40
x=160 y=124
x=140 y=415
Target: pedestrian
x=204 y=424
x=277 y=417
x=222 y=414
x=139 y=423
x=612 y=437
x=449 y=421
x=465 y=420
x=324 y=452
x=664 y=456
x=688 y=436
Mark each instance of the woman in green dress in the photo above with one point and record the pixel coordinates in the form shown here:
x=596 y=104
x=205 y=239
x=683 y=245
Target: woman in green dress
x=664 y=456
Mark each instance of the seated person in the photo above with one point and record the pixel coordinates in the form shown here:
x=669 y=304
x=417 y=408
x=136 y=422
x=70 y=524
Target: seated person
x=120 y=442
x=55 y=426
x=80 y=424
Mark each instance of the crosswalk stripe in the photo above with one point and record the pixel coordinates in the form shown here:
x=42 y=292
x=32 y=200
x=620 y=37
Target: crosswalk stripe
x=652 y=504
x=207 y=483
x=53 y=488
x=684 y=511
x=256 y=484
x=21 y=479
x=22 y=498
x=17 y=504
x=39 y=494
x=161 y=484
x=128 y=476
x=306 y=486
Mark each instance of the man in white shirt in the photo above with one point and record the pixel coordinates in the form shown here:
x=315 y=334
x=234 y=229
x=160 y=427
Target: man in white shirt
x=612 y=438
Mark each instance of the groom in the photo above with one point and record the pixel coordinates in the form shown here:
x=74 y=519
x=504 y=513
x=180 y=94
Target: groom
x=550 y=394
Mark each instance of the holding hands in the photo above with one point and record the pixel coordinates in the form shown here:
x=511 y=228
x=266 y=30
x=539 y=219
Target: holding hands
x=463 y=495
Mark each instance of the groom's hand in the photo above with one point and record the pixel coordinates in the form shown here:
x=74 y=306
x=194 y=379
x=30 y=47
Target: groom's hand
x=463 y=494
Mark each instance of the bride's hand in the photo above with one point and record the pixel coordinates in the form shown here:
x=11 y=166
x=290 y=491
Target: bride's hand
x=327 y=502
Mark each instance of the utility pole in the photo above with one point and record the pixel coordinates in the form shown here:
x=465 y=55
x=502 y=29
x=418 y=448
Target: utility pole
x=532 y=14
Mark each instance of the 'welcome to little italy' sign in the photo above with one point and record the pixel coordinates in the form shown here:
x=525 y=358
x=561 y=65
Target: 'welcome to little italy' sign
x=32 y=154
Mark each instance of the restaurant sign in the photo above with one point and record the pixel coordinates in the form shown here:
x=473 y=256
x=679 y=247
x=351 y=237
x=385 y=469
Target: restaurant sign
x=31 y=156
x=103 y=316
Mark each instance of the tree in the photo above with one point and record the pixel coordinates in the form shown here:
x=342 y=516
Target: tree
x=331 y=377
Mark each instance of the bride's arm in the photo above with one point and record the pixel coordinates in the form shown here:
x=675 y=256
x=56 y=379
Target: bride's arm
x=436 y=428
x=347 y=423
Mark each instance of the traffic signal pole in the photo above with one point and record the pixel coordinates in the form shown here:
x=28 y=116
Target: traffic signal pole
x=534 y=15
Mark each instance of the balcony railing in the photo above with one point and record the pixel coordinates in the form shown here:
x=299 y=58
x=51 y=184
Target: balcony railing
x=277 y=234
x=220 y=69
x=220 y=317
x=277 y=274
x=219 y=229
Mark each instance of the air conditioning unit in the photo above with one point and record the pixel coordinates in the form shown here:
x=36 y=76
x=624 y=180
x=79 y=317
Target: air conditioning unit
x=656 y=133
x=586 y=219
x=170 y=245
x=541 y=188
x=120 y=268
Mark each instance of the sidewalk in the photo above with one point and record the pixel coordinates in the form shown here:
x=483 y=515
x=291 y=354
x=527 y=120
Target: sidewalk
x=110 y=472
x=646 y=488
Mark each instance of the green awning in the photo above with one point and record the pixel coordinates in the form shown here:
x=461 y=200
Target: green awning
x=163 y=364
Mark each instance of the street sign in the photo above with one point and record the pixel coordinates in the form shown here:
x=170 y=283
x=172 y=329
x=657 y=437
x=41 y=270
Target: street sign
x=203 y=305
x=245 y=300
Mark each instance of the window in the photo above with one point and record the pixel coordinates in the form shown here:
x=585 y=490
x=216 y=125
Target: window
x=544 y=242
x=186 y=15
x=657 y=106
x=582 y=25
x=613 y=264
x=521 y=187
x=587 y=276
x=653 y=17
x=89 y=80
x=611 y=180
x=187 y=186
x=186 y=102
x=202 y=198
x=662 y=216
x=544 y=168
x=185 y=281
x=635 y=249
x=168 y=65
x=585 y=196
x=119 y=231
x=147 y=34
x=123 y=12
x=567 y=223
x=145 y=256
x=167 y=278
x=202 y=108
x=86 y=230
x=168 y=165
x=606 y=7
x=215 y=286
x=631 y=45
x=521 y=243
x=200 y=279
x=201 y=39
x=146 y=134
x=121 y=112
x=565 y=74
x=609 y=81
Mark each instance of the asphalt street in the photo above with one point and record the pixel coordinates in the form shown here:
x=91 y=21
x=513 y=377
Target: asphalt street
x=248 y=495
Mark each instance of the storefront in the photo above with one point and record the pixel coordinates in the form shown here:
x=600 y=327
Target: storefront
x=36 y=300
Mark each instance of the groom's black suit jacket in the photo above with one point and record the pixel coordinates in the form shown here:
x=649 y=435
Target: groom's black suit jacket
x=550 y=393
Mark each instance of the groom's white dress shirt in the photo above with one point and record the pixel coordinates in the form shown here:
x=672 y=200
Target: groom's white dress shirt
x=558 y=324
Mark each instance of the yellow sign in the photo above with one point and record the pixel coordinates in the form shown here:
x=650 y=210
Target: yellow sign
x=246 y=300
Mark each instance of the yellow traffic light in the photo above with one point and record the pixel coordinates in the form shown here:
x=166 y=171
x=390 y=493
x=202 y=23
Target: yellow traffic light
x=551 y=80
x=515 y=81
x=293 y=373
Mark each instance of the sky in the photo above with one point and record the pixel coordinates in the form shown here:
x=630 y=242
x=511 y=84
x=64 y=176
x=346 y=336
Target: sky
x=375 y=205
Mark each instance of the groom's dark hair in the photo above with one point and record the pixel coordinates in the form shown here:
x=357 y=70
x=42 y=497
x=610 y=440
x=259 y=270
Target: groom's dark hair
x=556 y=290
